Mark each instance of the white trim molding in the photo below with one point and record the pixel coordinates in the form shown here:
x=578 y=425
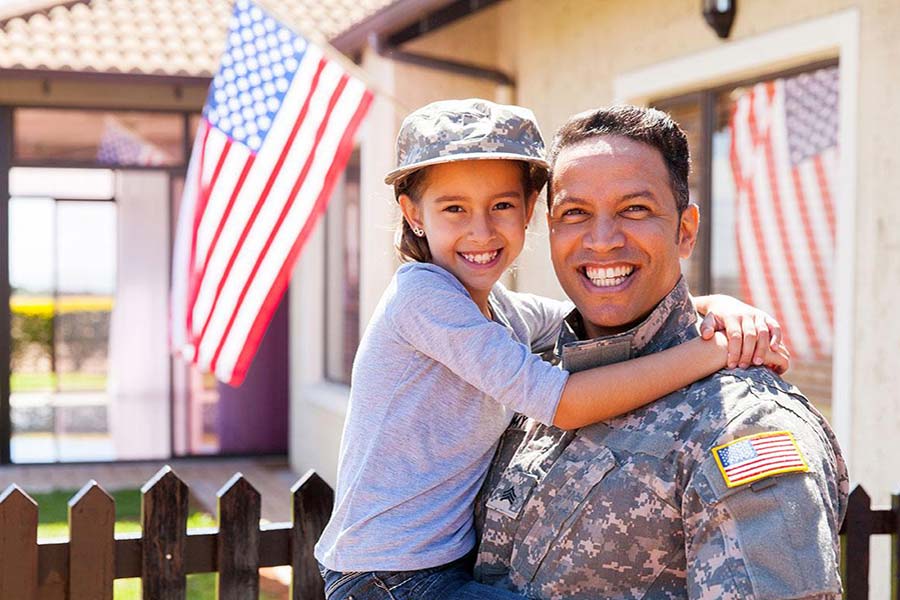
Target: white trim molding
x=309 y=316
x=832 y=36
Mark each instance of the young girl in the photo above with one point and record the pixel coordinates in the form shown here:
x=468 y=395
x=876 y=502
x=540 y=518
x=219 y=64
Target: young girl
x=448 y=358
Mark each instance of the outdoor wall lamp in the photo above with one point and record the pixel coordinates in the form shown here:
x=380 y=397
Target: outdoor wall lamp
x=719 y=14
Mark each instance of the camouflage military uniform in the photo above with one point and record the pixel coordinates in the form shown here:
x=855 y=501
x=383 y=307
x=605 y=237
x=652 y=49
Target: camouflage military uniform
x=637 y=507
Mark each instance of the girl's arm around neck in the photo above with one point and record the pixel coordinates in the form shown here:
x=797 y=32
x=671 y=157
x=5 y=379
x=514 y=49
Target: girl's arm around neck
x=605 y=392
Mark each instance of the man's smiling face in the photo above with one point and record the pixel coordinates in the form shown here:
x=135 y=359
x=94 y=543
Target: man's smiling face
x=616 y=236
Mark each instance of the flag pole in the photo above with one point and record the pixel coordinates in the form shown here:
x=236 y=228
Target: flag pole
x=334 y=54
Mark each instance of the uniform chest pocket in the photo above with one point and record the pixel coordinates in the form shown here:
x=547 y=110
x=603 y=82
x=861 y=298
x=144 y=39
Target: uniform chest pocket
x=554 y=505
x=502 y=511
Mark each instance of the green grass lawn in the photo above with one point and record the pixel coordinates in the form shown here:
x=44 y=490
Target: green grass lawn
x=53 y=523
x=46 y=382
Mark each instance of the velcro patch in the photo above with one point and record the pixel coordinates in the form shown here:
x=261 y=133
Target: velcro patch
x=510 y=495
x=755 y=457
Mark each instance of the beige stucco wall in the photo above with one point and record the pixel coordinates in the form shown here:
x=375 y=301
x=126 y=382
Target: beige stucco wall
x=571 y=52
x=595 y=42
x=567 y=55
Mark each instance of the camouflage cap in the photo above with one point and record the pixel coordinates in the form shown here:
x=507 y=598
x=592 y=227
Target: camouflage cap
x=473 y=129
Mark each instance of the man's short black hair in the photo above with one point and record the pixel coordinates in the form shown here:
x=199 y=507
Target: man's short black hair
x=647 y=125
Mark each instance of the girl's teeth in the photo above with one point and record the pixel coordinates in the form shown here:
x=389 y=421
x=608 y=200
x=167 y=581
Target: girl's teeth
x=481 y=258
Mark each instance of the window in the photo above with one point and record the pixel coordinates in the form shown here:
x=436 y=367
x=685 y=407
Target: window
x=342 y=275
x=96 y=137
x=765 y=159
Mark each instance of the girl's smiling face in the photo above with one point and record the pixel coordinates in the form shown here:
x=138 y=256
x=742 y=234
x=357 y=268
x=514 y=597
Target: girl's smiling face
x=474 y=215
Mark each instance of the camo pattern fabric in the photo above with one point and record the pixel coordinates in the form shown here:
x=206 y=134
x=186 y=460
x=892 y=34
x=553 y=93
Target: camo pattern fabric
x=636 y=507
x=451 y=130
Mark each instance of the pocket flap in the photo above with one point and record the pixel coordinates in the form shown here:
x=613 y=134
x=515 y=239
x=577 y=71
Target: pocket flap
x=551 y=513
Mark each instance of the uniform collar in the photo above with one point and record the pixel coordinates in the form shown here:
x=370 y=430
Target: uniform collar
x=672 y=322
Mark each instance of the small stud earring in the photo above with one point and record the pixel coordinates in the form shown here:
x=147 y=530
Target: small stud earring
x=418 y=231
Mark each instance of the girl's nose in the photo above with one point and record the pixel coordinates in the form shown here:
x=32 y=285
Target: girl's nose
x=481 y=228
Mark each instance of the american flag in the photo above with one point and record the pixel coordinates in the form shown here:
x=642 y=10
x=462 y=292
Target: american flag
x=277 y=130
x=121 y=146
x=784 y=158
x=754 y=457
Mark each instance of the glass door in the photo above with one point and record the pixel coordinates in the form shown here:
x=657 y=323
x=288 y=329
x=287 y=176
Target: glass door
x=62 y=279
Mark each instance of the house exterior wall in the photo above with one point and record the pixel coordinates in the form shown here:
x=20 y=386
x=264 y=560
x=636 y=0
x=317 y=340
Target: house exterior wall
x=570 y=55
x=594 y=45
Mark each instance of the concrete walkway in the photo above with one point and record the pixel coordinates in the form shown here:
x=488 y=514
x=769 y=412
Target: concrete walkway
x=271 y=477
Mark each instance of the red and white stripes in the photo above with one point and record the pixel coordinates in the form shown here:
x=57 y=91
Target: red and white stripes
x=784 y=221
x=254 y=212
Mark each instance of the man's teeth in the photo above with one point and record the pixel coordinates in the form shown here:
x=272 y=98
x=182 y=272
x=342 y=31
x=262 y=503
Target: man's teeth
x=608 y=277
x=481 y=258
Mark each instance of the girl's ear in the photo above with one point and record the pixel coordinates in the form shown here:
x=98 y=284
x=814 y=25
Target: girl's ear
x=410 y=211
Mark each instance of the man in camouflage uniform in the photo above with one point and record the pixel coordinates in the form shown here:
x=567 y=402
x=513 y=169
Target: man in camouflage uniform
x=731 y=488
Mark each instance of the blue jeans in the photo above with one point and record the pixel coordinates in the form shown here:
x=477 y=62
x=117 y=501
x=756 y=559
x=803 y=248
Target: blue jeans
x=452 y=581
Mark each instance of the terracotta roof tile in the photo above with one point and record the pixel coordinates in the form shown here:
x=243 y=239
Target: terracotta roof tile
x=159 y=37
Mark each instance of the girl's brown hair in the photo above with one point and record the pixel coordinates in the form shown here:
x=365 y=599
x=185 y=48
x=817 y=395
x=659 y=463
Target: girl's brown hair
x=412 y=248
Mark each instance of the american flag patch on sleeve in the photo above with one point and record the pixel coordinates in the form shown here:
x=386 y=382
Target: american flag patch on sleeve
x=754 y=457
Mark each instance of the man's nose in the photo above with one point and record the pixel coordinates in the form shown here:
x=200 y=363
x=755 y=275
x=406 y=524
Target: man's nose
x=604 y=235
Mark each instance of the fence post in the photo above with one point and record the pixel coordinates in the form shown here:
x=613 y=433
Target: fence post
x=18 y=544
x=312 y=502
x=92 y=545
x=164 y=511
x=859 y=528
x=238 y=547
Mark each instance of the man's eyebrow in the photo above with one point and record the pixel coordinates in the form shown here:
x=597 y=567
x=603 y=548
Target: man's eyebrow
x=564 y=198
x=639 y=194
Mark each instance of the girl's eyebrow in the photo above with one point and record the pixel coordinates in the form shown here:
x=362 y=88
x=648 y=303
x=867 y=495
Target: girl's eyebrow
x=458 y=198
x=450 y=198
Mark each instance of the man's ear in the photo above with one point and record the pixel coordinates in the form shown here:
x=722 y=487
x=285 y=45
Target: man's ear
x=410 y=211
x=530 y=203
x=687 y=230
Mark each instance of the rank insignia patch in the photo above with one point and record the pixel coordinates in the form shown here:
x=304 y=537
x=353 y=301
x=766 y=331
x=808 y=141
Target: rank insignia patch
x=754 y=457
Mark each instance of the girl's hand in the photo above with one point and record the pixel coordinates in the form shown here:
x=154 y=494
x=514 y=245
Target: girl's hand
x=754 y=337
x=778 y=359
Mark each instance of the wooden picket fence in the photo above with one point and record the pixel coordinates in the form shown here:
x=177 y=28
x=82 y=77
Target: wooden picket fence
x=85 y=566
x=164 y=553
x=860 y=523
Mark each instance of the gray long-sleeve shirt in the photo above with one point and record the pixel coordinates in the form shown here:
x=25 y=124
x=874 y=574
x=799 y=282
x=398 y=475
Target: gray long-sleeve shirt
x=434 y=385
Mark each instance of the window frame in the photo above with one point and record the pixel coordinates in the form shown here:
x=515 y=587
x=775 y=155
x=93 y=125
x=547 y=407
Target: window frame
x=334 y=245
x=186 y=133
x=705 y=98
x=835 y=35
